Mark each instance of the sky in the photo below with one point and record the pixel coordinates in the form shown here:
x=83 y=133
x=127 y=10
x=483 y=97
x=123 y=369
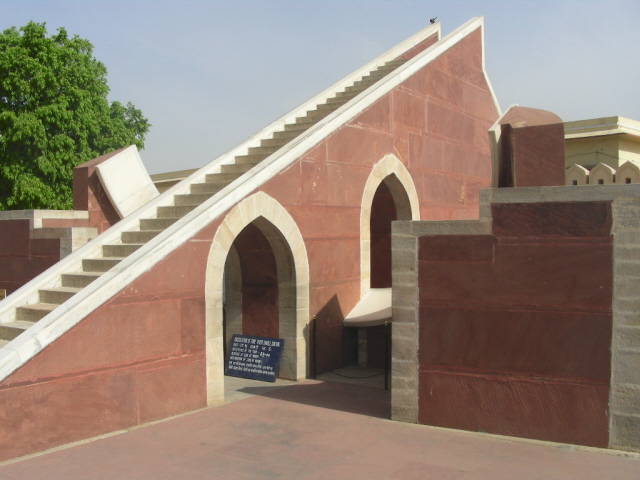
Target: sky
x=209 y=73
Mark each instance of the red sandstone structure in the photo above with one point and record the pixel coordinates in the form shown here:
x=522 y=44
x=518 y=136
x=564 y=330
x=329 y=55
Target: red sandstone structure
x=524 y=322
x=284 y=234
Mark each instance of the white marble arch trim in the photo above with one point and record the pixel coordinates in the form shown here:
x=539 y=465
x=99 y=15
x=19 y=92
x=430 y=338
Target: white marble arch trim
x=252 y=208
x=388 y=165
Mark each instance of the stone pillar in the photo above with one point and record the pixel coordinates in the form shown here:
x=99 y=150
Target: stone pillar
x=528 y=149
x=404 y=341
x=624 y=400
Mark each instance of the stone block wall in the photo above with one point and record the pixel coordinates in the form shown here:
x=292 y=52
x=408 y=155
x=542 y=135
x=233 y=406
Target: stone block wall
x=33 y=240
x=140 y=357
x=523 y=324
x=624 y=411
x=21 y=257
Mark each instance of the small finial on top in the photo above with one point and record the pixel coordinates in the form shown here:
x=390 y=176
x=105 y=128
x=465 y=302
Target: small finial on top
x=433 y=20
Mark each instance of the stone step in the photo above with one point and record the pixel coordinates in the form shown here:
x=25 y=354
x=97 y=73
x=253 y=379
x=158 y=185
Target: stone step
x=251 y=158
x=339 y=101
x=238 y=168
x=157 y=223
x=348 y=95
x=274 y=142
x=120 y=250
x=173 y=211
x=3 y=343
x=371 y=79
x=386 y=69
x=268 y=150
x=302 y=124
x=351 y=90
x=395 y=63
x=329 y=107
x=34 y=312
x=376 y=75
x=381 y=72
x=100 y=264
x=57 y=295
x=141 y=236
x=316 y=115
x=78 y=279
x=193 y=199
x=288 y=134
x=208 y=188
x=313 y=116
x=363 y=83
x=10 y=330
x=221 y=178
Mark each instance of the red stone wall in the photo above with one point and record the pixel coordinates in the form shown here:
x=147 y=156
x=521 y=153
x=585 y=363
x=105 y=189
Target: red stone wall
x=515 y=327
x=383 y=209
x=21 y=257
x=436 y=123
x=532 y=156
x=259 y=284
x=140 y=356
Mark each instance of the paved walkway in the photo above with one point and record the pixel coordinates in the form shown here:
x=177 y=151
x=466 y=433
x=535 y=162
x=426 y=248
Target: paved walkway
x=313 y=430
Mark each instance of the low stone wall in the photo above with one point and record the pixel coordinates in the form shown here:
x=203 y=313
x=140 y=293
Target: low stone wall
x=33 y=240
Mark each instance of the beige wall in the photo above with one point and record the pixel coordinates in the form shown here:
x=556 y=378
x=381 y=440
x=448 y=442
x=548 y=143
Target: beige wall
x=611 y=140
x=629 y=150
x=590 y=151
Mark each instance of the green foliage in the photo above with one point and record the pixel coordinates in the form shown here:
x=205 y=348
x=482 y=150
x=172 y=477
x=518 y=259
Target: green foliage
x=54 y=115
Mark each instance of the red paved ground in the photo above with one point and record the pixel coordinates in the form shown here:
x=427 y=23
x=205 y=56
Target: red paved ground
x=313 y=430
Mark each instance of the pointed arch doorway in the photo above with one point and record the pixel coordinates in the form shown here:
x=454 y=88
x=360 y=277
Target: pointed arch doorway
x=257 y=283
x=252 y=285
x=389 y=195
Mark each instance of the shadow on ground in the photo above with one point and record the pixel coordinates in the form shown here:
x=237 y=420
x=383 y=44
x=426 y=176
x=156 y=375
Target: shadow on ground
x=358 y=399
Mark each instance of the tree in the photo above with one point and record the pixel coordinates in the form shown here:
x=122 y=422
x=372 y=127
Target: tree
x=54 y=115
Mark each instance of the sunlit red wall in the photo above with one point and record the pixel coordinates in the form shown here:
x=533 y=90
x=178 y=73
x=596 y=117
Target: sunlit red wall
x=515 y=327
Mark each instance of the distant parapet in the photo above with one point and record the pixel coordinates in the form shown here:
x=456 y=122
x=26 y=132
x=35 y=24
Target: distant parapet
x=164 y=181
x=629 y=172
x=602 y=174
x=576 y=175
x=610 y=140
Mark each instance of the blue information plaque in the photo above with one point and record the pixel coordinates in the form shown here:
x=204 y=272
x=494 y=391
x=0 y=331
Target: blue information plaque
x=257 y=358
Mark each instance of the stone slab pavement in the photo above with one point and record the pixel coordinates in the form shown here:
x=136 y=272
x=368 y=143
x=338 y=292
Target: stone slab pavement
x=314 y=430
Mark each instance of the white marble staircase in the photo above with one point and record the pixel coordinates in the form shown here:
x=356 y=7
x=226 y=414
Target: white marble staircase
x=48 y=306
x=130 y=241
